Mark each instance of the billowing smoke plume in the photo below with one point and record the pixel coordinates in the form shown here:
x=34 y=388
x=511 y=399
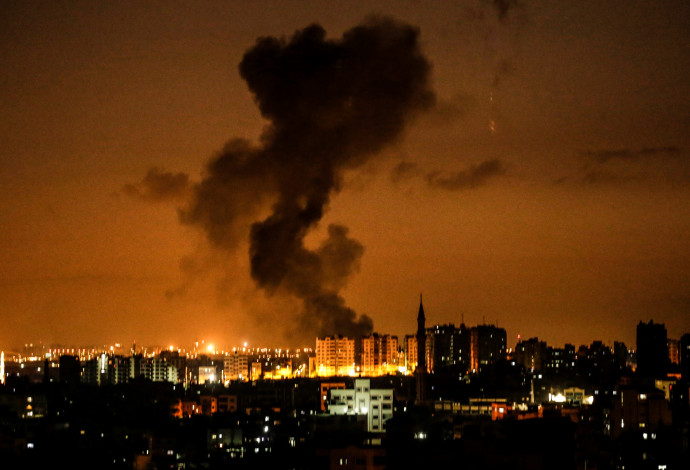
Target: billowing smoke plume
x=331 y=105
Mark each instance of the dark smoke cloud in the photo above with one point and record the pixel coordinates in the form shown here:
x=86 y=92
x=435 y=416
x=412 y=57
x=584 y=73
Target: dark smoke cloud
x=473 y=177
x=331 y=105
x=605 y=155
x=623 y=166
x=159 y=185
x=500 y=8
x=238 y=181
x=504 y=6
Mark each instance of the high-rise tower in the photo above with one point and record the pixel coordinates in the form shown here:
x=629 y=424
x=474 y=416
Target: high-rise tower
x=421 y=337
x=420 y=372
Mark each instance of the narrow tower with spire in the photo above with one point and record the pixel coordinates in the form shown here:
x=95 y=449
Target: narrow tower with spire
x=420 y=372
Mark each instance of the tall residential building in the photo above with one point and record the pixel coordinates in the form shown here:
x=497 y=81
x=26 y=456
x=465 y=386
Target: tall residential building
x=685 y=356
x=379 y=354
x=488 y=345
x=652 y=349
x=439 y=339
x=118 y=369
x=558 y=359
x=421 y=337
x=137 y=366
x=90 y=372
x=159 y=369
x=410 y=352
x=532 y=354
x=95 y=370
x=335 y=355
x=621 y=354
x=236 y=366
x=389 y=353
x=69 y=371
x=449 y=347
x=179 y=361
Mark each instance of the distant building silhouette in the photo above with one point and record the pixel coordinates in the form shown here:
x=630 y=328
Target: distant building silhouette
x=488 y=345
x=621 y=354
x=685 y=356
x=560 y=359
x=69 y=370
x=449 y=347
x=652 y=349
x=531 y=354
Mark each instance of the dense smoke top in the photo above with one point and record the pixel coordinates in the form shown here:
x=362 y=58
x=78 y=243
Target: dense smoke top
x=331 y=105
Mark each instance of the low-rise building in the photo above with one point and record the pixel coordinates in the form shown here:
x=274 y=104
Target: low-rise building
x=376 y=404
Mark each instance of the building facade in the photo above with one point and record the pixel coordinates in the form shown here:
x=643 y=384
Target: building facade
x=531 y=354
x=376 y=404
x=488 y=345
x=379 y=355
x=236 y=367
x=335 y=355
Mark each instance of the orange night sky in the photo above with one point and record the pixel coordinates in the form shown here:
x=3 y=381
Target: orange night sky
x=544 y=188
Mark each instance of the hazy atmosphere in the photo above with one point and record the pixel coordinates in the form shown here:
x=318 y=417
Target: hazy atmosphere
x=271 y=171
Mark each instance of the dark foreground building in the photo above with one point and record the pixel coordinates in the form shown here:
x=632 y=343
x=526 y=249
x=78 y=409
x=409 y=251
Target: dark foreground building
x=652 y=349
